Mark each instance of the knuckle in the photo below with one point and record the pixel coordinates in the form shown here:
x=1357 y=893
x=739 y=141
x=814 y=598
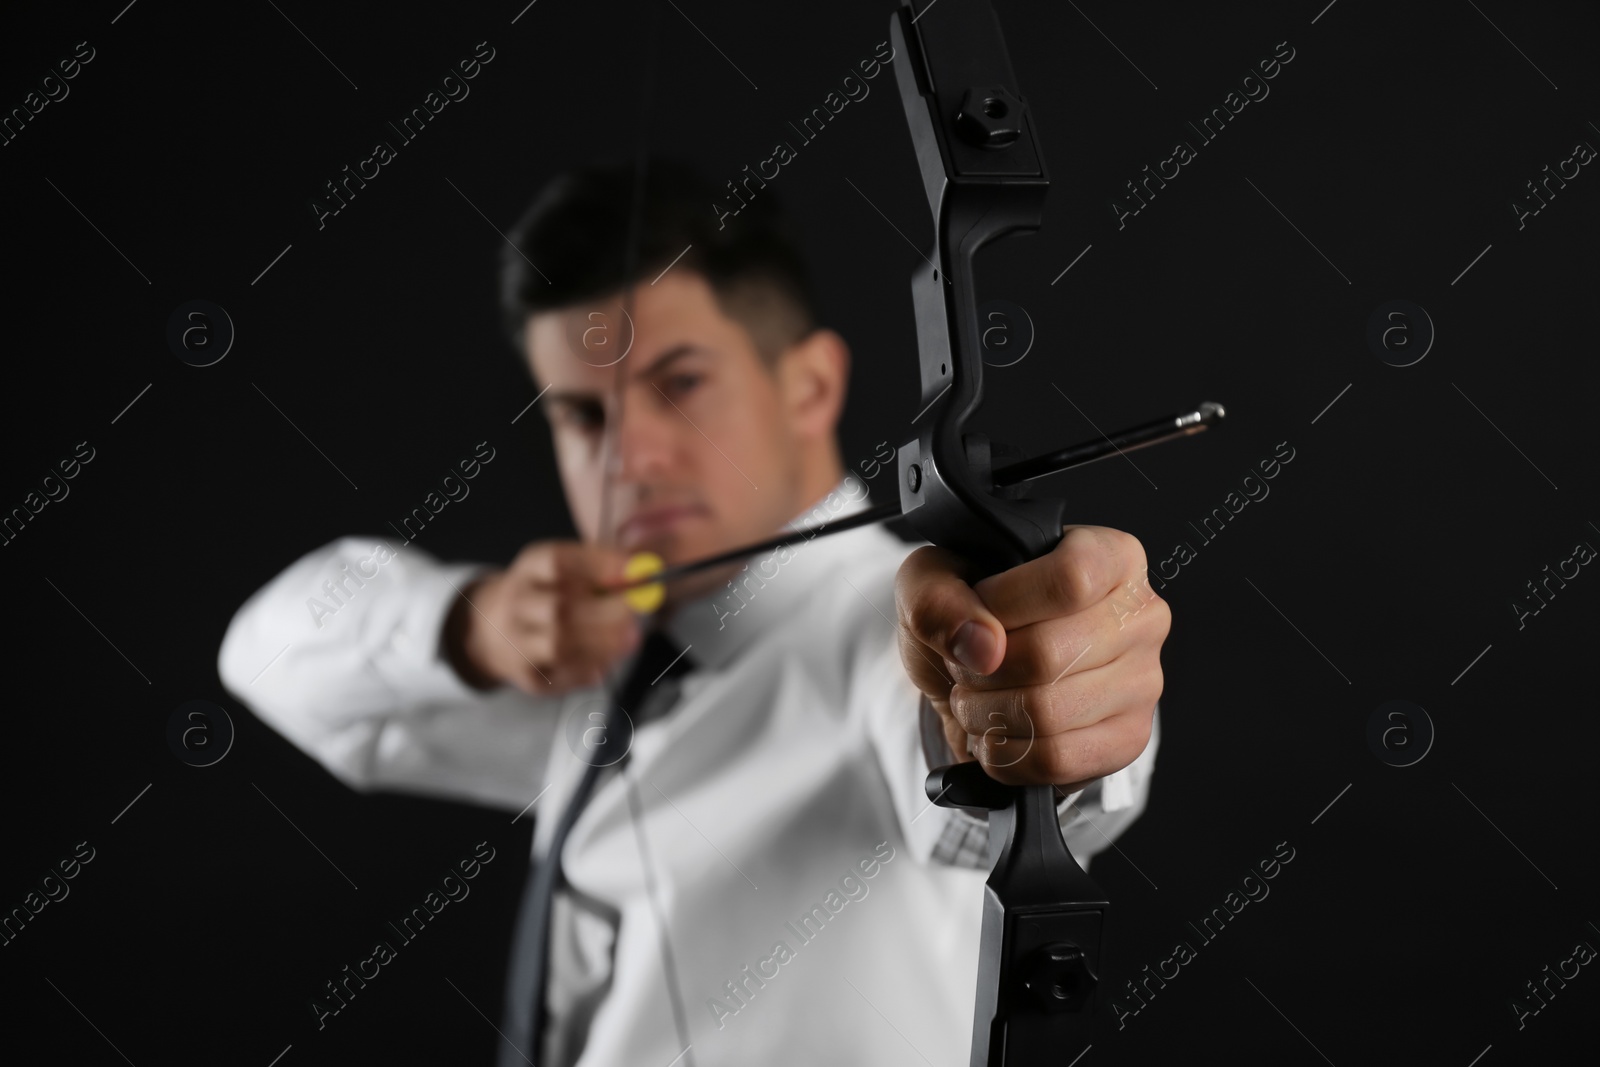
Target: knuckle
x=563 y=608
x=537 y=611
x=1152 y=685
x=968 y=708
x=1035 y=656
x=1059 y=762
x=927 y=680
x=1140 y=735
x=1039 y=708
x=920 y=579
x=1129 y=547
x=1014 y=713
x=928 y=615
x=1071 y=702
x=923 y=560
x=1003 y=718
x=909 y=576
x=1067 y=649
x=1075 y=576
x=601 y=562
x=547 y=648
x=1161 y=613
x=1122 y=747
x=619 y=638
x=536 y=560
x=562 y=557
x=910 y=656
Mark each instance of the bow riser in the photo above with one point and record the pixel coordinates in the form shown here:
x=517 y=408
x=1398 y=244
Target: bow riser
x=985 y=179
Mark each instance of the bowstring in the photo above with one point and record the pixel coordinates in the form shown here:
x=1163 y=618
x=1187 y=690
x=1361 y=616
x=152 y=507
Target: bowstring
x=609 y=463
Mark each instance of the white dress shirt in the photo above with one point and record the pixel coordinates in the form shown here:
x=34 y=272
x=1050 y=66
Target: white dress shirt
x=790 y=766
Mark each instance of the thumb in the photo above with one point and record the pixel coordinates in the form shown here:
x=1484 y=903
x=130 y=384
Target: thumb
x=588 y=565
x=940 y=611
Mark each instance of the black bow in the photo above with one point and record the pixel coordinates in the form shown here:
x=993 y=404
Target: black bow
x=1040 y=959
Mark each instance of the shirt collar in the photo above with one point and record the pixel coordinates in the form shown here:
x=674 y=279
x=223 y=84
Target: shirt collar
x=771 y=585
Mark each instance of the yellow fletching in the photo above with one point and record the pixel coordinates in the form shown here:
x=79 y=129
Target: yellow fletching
x=645 y=598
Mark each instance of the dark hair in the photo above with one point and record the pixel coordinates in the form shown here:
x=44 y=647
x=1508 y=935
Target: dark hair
x=573 y=245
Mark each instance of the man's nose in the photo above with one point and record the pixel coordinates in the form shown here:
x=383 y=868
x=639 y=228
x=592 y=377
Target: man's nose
x=644 y=441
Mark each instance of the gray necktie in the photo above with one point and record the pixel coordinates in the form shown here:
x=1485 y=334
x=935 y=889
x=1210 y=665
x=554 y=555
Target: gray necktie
x=524 y=1017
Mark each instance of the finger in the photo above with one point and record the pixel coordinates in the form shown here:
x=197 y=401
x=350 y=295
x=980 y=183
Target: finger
x=942 y=612
x=1087 y=564
x=519 y=669
x=1071 y=759
x=538 y=562
x=927 y=670
x=599 y=630
x=580 y=655
x=534 y=610
x=575 y=677
x=595 y=565
x=1043 y=652
x=1047 y=651
x=956 y=738
x=1077 y=701
x=568 y=564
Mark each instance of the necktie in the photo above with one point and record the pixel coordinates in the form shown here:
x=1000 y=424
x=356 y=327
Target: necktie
x=524 y=1016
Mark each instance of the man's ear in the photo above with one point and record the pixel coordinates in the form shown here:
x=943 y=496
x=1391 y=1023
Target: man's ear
x=813 y=377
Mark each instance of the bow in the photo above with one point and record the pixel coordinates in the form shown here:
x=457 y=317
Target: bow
x=1041 y=954
x=1040 y=958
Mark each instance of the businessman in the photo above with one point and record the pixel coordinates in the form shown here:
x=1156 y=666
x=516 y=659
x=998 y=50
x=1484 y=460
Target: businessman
x=740 y=866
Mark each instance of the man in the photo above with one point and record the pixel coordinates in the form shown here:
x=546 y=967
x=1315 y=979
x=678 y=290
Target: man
x=760 y=879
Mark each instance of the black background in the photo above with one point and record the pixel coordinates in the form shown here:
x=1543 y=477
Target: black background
x=1391 y=546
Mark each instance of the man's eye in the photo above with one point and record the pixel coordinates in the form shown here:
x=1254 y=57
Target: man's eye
x=679 y=384
x=583 y=418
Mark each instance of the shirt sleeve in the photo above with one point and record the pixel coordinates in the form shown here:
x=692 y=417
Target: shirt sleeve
x=340 y=654
x=1091 y=818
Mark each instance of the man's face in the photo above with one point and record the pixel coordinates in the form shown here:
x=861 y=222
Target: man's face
x=707 y=453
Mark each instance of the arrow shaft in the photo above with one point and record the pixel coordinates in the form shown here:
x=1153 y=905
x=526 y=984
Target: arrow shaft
x=1142 y=436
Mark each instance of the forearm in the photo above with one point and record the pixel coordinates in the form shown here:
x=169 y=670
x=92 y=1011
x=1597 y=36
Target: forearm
x=343 y=654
